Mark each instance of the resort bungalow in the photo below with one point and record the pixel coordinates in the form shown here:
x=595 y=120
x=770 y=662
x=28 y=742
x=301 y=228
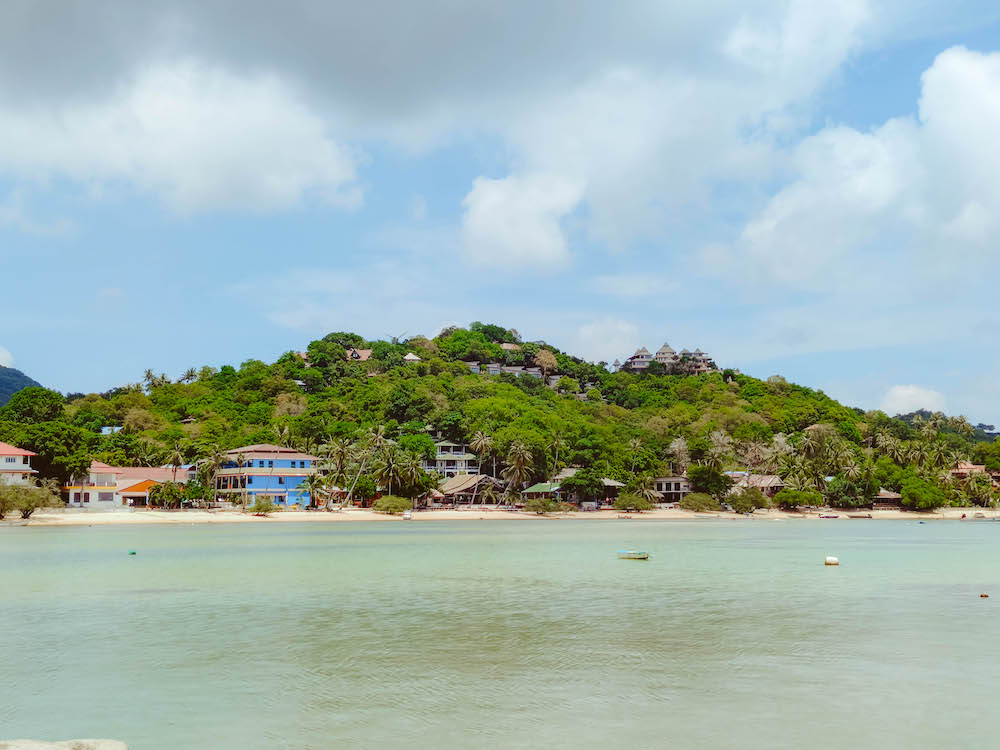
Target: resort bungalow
x=272 y=471
x=465 y=488
x=886 y=500
x=15 y=464
x=769 y=484
x=611 y=488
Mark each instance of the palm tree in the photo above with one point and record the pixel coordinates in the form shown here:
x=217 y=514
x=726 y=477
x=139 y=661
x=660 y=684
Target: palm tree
x=241 y=461
x=810 y=443
x=482 y=446
x=176 y=458
x=634 y=445
x=376 y=438
x=189 y=376
x=315 y=484
x=215 y=458
x=336 y=454
x=518 y=469
x=646 y=488
x=387 y=468
x=851 y=469
x=555 y=443
x=283 y=434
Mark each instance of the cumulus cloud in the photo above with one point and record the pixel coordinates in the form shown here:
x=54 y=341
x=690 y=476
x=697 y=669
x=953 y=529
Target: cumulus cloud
x=913 y=195
x=902 y=399
x=198 y=136
x=6 y=358
x=515 y=222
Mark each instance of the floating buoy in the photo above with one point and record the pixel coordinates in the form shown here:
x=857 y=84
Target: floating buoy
x=984 y=596
x=131 y=551
x=831 y=561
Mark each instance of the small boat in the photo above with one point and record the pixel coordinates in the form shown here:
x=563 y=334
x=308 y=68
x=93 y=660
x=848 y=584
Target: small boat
x=859 y=515
x=828 y=515
x=631 y=554
x=407 y=515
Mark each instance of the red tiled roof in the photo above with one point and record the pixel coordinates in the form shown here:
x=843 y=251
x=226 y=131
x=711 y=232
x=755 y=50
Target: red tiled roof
x=96 y=467
x=6 y=449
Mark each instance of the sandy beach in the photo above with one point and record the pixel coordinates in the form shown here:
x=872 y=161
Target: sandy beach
x=73 y=517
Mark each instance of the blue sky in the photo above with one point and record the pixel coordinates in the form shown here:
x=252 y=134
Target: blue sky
x=797 y=188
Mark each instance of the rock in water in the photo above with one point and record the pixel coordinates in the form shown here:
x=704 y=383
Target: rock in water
x=67 y=745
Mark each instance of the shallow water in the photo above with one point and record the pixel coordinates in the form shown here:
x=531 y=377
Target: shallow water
x=503 y=634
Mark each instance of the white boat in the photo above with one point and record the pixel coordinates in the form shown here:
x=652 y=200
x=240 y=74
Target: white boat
x=631 y=554
x=407 y=515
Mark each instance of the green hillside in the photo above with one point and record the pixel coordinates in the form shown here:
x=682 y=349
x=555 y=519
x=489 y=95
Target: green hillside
x=366 y=414
x=11 y=381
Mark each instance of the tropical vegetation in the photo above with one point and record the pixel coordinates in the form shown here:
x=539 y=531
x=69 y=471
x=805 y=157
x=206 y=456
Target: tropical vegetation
x=372 y=422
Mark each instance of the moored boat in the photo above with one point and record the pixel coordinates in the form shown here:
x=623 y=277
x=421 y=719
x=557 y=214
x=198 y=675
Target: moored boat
x=631 y=554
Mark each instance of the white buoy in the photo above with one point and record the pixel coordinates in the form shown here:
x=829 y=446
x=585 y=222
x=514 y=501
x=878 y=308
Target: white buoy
x=831 y=560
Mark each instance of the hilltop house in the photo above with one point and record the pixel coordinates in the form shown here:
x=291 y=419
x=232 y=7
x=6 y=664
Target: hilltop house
x=15 y=464
x=107 y=487
x=451 y=459
x=697 y=361
x=271 y=471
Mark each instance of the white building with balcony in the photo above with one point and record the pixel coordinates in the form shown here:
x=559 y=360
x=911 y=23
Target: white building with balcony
x=451 y=459
x=15 y=464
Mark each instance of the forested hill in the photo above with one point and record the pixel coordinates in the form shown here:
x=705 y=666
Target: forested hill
x=11 y=381
x=339 y=399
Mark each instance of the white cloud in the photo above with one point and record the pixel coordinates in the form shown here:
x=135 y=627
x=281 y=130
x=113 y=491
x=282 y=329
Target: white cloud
x=514 y=223
x=902 y=399
x=903 y=202
x=199 y=137
x=6 y=358
x=604 y=340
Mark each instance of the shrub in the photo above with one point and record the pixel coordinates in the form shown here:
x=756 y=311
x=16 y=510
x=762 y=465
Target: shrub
x=392 y=504
x=709 y=480
x=262 y=506
x=699 y=502
x=629 y=501
x=748 y=500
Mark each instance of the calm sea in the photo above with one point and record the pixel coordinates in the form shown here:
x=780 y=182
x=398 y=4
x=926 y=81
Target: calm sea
x=503 y=634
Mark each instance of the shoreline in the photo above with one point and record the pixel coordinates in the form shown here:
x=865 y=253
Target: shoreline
x=67 y=517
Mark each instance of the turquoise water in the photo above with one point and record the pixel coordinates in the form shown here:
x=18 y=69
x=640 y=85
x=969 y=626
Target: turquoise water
x=503 y=634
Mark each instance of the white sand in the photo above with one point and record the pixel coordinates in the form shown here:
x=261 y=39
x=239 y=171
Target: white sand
x=68 y=517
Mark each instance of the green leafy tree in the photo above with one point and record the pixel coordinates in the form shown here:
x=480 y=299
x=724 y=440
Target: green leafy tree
x=919 y=494
x=791 y=499
x=33 y=405
x=709 y=480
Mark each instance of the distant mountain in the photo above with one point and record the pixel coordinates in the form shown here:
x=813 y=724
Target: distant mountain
x=11 y=381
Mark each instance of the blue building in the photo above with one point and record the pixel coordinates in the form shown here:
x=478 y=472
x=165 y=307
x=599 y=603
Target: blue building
x=271 y=471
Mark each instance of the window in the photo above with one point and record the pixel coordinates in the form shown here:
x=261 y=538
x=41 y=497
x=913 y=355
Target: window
x=11 y=459
x=76 y=497
x=302 y=464
x=270 y=464
x=261 y=464
x=86 y=497
x=24 y=460
x=106 y=497
x=281 y=480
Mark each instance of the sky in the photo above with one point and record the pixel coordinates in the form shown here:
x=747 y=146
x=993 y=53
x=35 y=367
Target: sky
x=794 y=187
